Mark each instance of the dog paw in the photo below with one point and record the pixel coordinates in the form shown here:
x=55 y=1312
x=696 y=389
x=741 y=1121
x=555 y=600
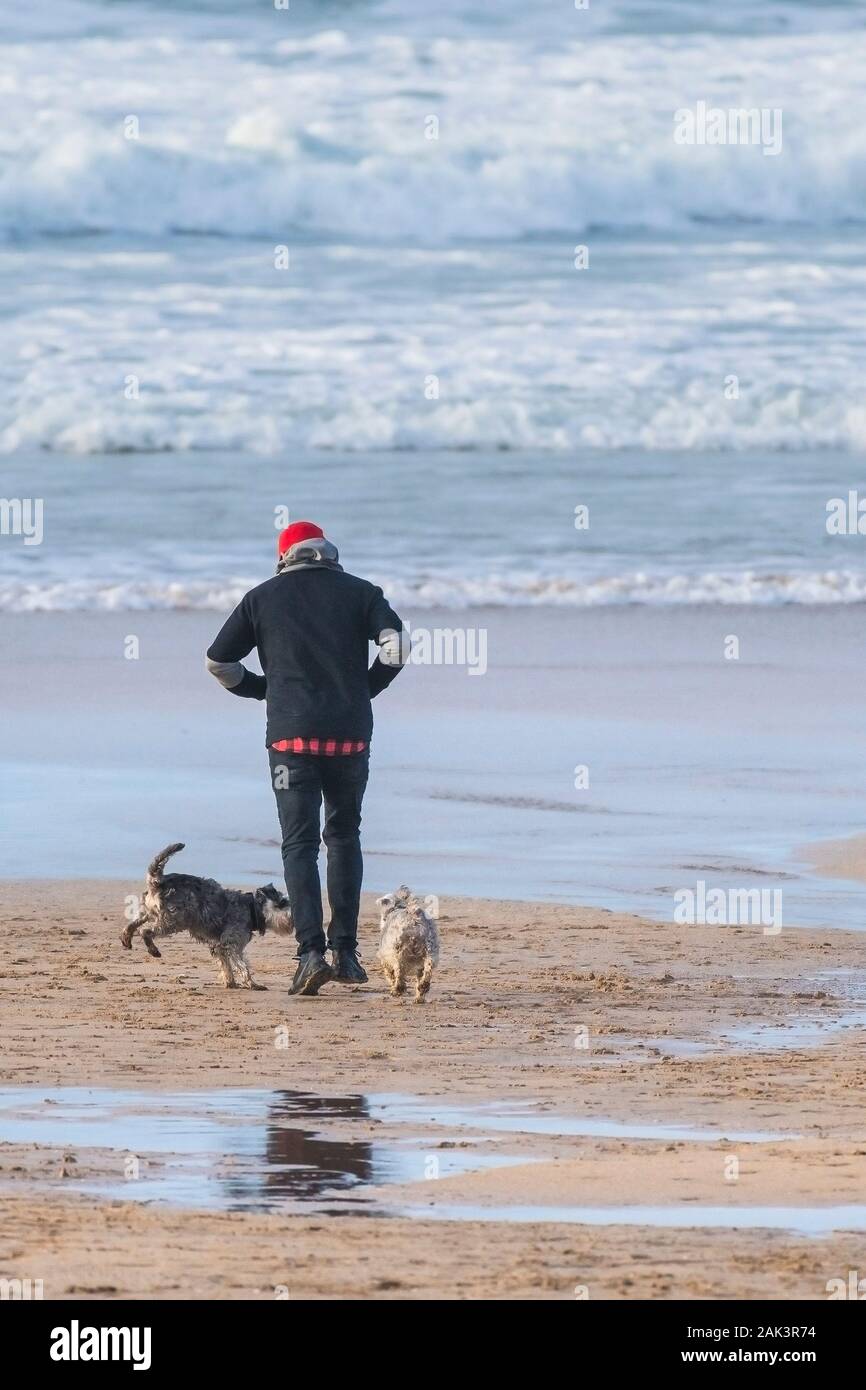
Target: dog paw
x=126 y=942
x=255 y=986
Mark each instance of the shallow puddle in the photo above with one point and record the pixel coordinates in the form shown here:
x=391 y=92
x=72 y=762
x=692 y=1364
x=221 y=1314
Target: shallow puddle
x=225 y=1149
x=809 y=1221
x=263 y=1149
x=500 y=1119
x=800 y=1032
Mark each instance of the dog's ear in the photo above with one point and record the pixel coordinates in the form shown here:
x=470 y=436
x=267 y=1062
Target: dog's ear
x=386 y=901
x=273 y=894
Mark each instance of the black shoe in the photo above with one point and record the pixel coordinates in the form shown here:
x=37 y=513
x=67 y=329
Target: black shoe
x=313 y=971
x=347 y=969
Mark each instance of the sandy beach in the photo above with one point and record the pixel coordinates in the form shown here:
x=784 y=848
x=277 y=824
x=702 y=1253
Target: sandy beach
x=712 y=1075
x=530 y=335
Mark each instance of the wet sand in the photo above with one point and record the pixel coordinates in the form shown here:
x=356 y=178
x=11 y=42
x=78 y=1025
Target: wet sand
x=843 y=859
x=560 y=1013
x=698 y=767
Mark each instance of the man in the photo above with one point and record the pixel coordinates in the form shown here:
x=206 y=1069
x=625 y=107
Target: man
x=312 y=623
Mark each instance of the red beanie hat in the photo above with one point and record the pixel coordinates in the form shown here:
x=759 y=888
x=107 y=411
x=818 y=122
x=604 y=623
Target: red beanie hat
x=298 y=531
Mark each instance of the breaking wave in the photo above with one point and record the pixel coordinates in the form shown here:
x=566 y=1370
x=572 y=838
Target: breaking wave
x=749 y=587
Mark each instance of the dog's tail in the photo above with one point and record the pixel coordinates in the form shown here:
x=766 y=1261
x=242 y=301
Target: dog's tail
x=155 y=867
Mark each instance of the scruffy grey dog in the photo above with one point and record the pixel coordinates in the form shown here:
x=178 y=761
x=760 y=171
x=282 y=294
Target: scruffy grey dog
x=409 y=942
x=221 y=918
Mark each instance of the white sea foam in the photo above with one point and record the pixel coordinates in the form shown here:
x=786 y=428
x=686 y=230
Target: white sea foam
x=413 y=258
x=748 y=587
x=238 y=362
x=326 y=132
x=221 y=382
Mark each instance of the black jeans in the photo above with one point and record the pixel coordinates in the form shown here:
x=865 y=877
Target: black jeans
x=300 y=782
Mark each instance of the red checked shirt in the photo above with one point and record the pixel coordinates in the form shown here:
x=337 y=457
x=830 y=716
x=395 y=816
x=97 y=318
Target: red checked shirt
x=330 y=747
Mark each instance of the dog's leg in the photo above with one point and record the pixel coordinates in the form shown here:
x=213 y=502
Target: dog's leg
x=147 y=938
x=242 y=971
x=391 y=975
x=222 y=957
x=398 y=985
x=130 y=929
x=422 y=983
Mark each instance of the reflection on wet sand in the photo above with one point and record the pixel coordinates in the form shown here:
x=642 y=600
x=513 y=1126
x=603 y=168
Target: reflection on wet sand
x=231 y=1150
x=302 y=1163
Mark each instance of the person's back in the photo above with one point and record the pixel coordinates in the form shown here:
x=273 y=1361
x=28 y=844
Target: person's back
x=312 y=624
x=312 y=627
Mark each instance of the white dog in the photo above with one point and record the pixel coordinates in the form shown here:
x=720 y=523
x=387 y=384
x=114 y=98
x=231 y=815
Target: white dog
x=409 y=942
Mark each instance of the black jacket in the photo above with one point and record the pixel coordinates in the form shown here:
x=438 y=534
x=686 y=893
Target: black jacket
x=312 y=627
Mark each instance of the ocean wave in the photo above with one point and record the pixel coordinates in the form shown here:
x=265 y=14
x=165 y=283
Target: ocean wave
x=750 y=587
x=341 y=416
x=224 y=141
x=413 y=260
x=263 y=183
x=206 y=19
